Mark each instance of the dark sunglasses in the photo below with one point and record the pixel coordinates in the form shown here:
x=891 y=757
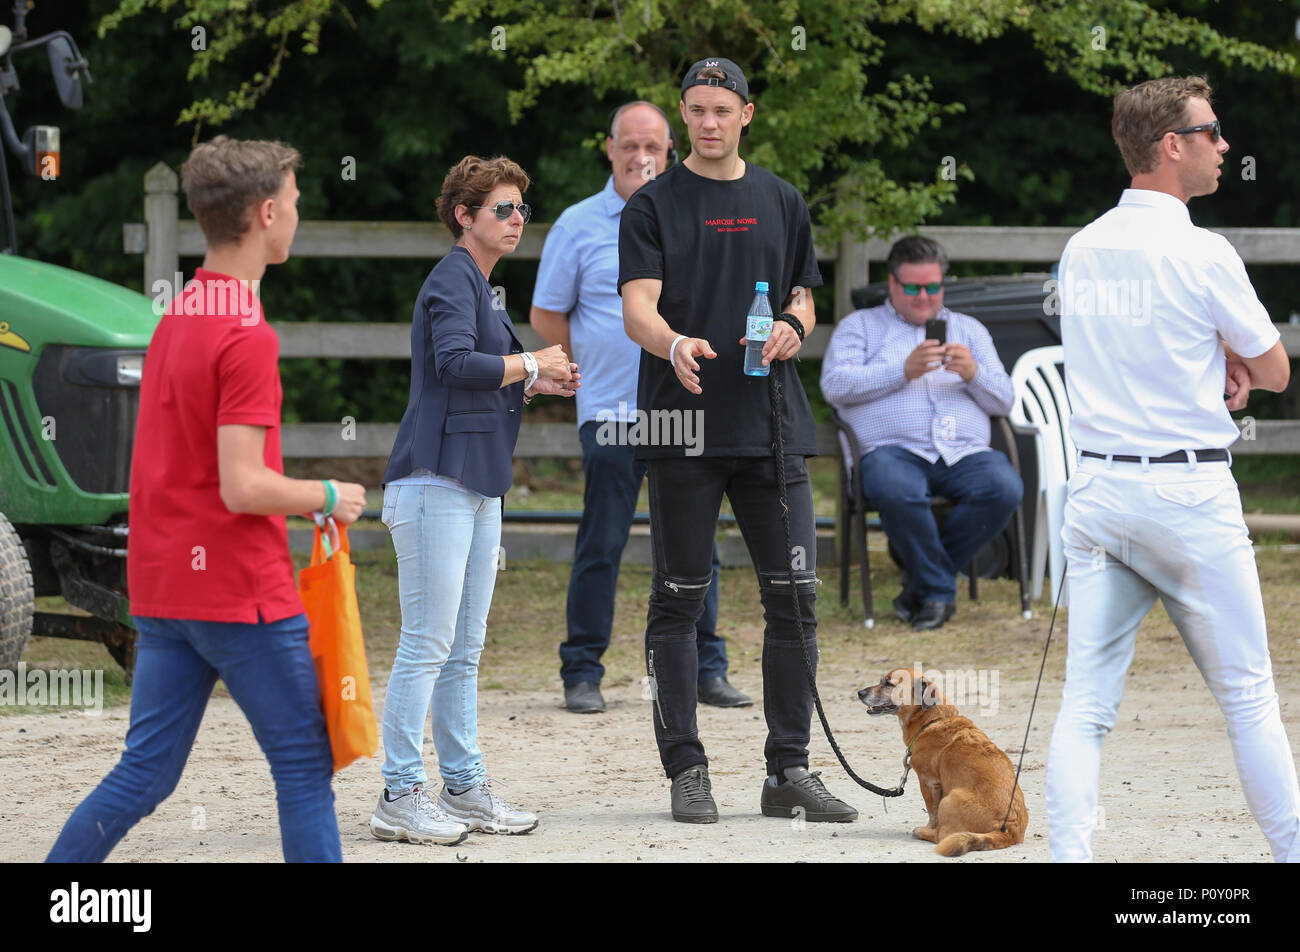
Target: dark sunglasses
x=1213 y=128
x=912 y=290
x=504 y=210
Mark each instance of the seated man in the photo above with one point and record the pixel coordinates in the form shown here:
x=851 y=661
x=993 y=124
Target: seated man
x=920 y=411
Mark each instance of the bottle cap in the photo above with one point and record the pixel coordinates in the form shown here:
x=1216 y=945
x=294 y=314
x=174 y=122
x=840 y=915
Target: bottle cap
x=760 y=286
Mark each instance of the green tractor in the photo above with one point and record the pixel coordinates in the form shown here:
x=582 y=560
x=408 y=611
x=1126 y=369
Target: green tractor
x=71 y=354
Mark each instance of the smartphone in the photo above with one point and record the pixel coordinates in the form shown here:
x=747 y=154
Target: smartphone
x=937 y=329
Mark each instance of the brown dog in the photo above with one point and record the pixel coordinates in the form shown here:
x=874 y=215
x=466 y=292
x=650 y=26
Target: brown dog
x=965 y=778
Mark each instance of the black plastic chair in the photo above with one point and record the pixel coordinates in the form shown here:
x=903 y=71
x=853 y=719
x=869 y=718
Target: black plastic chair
x=854 y=507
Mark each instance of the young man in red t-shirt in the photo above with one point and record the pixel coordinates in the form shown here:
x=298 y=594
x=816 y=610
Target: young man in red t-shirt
x=211 y=583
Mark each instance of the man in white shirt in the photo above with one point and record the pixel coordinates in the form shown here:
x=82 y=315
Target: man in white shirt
x=1158 y=320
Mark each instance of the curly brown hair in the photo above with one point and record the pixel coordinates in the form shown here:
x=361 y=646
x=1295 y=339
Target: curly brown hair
x=225 y=178
x=471 y=180
x=1146 y=112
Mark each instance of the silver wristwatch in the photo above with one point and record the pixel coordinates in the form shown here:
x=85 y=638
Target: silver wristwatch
x=530 y=368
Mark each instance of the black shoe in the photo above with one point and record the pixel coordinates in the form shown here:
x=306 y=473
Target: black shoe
x=720 y=693
x=584 y=698
x=932 y=615
x=693 y=797
x=802 y=794
x=905 y=606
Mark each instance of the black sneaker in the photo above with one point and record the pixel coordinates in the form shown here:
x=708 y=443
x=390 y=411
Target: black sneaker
x=804 y=792
x=693 y=797
x=584 y=698
x=720 y=693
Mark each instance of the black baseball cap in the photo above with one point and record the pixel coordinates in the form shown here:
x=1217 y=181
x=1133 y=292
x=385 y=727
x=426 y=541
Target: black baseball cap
x=735 y=80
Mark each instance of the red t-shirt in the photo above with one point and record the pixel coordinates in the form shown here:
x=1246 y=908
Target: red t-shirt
x=213 y=361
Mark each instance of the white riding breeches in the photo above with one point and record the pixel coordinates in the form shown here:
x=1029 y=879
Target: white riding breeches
x=1135 y=532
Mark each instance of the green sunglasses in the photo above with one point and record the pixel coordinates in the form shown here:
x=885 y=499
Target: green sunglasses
x=912 y=290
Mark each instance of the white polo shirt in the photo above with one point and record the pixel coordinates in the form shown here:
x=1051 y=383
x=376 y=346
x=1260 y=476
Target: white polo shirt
x=1145 y=298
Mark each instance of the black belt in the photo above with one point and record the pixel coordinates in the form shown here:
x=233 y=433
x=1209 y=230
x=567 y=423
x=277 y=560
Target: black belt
x=1180 y=456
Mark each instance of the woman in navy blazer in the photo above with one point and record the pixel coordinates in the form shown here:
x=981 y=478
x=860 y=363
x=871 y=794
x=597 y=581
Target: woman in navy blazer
x=450 y=466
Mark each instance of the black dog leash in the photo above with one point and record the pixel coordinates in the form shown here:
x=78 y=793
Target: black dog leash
x=1025 y=743
x=778 y=448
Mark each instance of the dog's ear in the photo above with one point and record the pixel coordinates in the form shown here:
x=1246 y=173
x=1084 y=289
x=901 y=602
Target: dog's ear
x=929 y=694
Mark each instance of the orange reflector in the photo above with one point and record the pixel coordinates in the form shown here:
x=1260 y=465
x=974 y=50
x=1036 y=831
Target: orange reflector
x=43 y=141
x=47 y=165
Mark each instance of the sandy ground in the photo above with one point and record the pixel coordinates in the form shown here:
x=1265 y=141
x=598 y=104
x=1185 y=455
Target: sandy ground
x=1169 y=788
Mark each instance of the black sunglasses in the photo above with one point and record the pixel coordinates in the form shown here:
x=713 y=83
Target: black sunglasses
x=504 y=210
x=1213 y=128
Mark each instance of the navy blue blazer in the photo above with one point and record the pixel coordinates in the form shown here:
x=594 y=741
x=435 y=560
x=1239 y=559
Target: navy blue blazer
x=459 y=422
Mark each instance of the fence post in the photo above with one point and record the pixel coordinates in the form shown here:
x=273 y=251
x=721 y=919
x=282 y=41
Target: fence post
x=162 y=248
x=850 y=272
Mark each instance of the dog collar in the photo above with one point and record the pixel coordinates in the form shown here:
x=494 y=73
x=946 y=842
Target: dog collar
x=923 y=729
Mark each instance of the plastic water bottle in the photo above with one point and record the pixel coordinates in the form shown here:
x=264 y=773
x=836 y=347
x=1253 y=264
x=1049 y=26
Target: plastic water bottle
x=758 y=328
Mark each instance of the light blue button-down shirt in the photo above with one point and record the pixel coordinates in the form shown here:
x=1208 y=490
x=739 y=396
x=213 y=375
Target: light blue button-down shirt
x=578 y=276
x=936 y=415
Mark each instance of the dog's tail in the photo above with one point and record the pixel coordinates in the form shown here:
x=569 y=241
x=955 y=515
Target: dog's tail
x=955 y=844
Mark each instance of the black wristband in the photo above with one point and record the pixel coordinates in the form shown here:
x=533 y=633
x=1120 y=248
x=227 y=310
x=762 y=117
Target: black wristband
x=793 y=321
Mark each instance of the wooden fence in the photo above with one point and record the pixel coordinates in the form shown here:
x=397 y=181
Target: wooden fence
x=163 y=239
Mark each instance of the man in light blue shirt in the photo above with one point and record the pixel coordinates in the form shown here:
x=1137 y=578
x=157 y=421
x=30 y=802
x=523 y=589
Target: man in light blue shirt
x=576 y=304
x=920 y=411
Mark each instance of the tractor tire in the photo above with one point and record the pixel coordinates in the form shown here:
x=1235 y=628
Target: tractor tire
x=17 y=601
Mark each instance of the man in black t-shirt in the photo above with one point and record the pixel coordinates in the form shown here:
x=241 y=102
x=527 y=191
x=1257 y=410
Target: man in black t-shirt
x=693 y=243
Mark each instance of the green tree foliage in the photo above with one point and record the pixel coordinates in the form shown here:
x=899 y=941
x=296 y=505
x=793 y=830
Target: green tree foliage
x=825 y=110
x=220 y=28
x=868 y=110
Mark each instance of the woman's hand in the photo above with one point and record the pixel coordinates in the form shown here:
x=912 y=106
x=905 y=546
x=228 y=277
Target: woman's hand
x=554 y=364
x=556 y=387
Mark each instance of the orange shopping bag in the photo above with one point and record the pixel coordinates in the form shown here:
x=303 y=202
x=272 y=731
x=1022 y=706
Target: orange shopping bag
x=329 y=594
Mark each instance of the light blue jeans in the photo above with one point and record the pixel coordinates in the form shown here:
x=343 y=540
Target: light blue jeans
x=447 y=542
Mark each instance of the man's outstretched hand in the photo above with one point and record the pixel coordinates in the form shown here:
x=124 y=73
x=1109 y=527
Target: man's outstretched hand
x=685 y=361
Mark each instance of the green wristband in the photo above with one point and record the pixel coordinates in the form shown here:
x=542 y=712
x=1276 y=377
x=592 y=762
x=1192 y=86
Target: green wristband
x=331 y=497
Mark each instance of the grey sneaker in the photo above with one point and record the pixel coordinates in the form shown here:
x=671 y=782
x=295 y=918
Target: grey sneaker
x=415 y=818
x=480 y=808
x=692 y=796
x=803 y=794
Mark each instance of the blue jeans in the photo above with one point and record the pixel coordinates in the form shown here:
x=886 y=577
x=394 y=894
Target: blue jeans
x=447 y=544
x=269 y=671
x=985 y=489
x=613 y=477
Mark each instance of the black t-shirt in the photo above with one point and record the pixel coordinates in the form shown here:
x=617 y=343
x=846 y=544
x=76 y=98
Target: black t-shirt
x=709 y=241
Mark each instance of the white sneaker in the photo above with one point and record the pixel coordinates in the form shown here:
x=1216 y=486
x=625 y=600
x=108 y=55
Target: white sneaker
x=415 y=818
x=480 y=808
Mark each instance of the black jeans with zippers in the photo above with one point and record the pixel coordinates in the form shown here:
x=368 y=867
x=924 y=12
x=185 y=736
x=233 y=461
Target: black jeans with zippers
x=685 y=497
